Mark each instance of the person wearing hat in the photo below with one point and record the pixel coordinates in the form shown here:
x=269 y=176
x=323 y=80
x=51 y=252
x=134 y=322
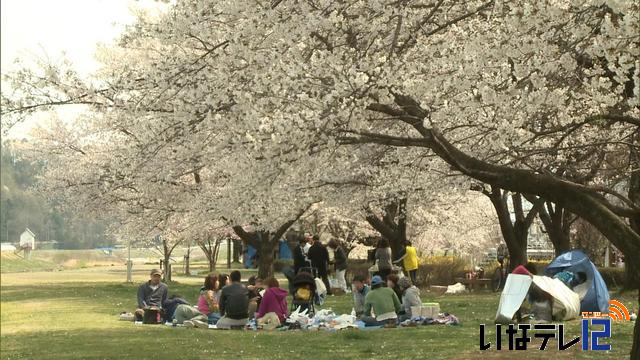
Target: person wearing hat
x=152 y=293
x=384 y=302
x=410 y=297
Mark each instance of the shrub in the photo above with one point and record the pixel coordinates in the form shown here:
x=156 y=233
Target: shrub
x=441 y=270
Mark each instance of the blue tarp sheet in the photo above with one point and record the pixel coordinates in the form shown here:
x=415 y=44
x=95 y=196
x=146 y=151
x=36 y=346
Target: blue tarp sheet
x=284 y=253
x=597 y=295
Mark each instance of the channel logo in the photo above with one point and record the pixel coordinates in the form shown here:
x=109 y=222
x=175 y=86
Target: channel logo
x=596 y=328
x=617 y=311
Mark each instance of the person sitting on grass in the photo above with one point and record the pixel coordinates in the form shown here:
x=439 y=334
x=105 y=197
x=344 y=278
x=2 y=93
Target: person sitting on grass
x=206 y=311
x=571 y=279
x=234 y=303
x=410 y=297
x=255 y=287
x=392 y=282
x=171 y=305
x=384 y=302
x=152 y=294
x=208 y=299
x=360 y=289
x=223 y=280
x=274 y=301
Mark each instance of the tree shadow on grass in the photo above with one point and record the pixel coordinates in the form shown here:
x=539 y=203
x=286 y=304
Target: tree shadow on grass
x=159 y=341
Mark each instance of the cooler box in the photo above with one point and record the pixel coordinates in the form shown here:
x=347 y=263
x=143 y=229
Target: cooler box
x=426 y=310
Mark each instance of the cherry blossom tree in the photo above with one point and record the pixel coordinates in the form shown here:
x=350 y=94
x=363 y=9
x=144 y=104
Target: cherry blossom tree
x=500 y=92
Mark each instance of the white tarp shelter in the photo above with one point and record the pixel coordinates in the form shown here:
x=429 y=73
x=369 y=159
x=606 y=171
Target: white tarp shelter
x=566 y=304
x=7 y=247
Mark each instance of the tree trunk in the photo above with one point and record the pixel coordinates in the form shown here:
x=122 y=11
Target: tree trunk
x=265 y=255
x=210 y=246
x=265 y=242
x=187 y=258
x=557 y=221
x=632 y=268
x=514 y=232
x=393 y=225
x=635 y=350
x=586 y=203
x=167 y=265
x=237 y=250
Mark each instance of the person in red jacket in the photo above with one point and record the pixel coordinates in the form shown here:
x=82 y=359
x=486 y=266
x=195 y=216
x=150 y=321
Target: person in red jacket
x=274 y=300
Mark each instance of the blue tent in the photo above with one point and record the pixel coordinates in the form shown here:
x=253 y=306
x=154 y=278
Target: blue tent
x=247 y=259
x=596 y=297
x=284 y=253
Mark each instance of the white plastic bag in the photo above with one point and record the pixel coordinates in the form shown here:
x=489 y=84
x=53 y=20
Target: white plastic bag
x=320 y=288
x=457 y=288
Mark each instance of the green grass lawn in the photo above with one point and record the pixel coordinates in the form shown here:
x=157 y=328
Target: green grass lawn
x=11 y=265
x=73 y=314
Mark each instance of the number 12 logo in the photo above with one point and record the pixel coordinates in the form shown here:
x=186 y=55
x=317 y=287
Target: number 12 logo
x=596 y=334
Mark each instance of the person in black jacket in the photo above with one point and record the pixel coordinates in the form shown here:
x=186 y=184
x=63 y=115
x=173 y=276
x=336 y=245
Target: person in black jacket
x=234 y=303
x=319 y=257
x=340 y=263
x=299 y=259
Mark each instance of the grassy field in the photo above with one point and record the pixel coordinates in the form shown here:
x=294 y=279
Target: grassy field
x=72 y=314
x=45 y=260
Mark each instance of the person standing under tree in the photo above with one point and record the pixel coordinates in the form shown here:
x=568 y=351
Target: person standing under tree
x=340 y=263
x=319 y=257
x=299 y=257
x=383 y=258
x=411 y=262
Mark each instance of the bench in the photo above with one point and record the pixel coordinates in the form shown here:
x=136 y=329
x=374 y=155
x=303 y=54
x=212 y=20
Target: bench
x=474 y=284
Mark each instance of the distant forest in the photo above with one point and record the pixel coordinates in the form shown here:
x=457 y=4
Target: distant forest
x=22 y=206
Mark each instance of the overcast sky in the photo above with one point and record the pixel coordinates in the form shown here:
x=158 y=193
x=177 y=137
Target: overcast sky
x=46 y=28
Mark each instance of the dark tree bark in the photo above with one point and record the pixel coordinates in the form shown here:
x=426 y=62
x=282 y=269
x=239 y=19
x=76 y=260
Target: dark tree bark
x=265 y=243
x=632 y=268
x=584 y=202
x=392 y=225
x=187 y=261
x=514 y=232
x=557 y=221
x=210 y=245
x=237 y=250
x=167 y=250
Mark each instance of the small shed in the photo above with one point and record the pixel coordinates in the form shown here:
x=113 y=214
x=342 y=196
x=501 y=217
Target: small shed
x=28 y=239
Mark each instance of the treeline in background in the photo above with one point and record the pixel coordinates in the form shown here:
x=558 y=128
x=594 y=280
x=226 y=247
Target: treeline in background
x=23 y=207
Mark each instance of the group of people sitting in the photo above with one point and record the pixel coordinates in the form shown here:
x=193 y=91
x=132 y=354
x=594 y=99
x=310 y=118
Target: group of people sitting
x=226 y=302
x=223 y=301
x=384 y=303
